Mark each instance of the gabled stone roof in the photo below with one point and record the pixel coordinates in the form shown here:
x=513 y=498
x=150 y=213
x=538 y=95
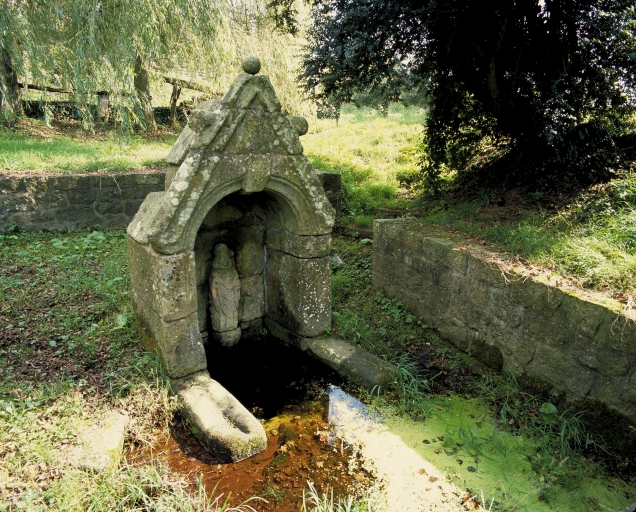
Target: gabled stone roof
x=240 y=143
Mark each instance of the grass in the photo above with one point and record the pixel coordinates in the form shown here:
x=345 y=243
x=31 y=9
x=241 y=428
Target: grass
x=371 y=152
x=592 y=239
x=315 y=502
x=53 y=152
x=69 y=351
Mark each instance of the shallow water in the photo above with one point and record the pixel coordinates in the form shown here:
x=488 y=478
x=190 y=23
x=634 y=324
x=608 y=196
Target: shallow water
x=455 y=460
x=288 y=390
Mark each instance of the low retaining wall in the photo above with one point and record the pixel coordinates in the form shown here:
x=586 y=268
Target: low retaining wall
x=582 y=344
x=71 y=202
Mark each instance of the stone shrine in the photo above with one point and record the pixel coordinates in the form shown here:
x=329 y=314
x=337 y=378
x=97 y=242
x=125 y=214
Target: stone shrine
x=240 y=237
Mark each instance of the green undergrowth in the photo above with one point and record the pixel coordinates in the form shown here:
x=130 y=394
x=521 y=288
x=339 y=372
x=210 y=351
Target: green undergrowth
x=69 y=351
x=371 y=151
x=513 y=450
x=592 y=240
x=53 y=152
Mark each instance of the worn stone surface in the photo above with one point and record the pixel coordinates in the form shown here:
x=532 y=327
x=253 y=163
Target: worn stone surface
x=99 y=447
x=252 y=298
x=227 y=338
x=224 y=426
x=166 y=283
x=299 y=292
x=583 y=346
x=353 y=362
x=297 y=245
x=178 y=343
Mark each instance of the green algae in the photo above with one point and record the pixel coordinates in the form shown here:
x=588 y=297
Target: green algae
x=511 y=472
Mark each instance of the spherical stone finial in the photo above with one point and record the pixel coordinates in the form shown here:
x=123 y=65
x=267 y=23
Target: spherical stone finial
x=251 y=65
x=300 y=124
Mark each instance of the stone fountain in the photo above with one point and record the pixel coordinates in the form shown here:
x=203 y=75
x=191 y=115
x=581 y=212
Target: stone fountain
x=240 y=237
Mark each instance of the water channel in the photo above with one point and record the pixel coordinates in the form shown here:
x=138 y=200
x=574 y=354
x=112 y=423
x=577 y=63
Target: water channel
x=455 y=460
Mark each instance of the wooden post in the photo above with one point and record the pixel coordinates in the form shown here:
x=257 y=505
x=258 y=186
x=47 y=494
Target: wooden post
x=174 y=98
x=103 y=106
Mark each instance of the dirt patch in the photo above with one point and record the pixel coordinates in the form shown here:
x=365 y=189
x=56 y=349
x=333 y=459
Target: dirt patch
x=299 y=450
x=42 y=340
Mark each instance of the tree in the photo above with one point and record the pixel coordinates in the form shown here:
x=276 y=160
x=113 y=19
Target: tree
x=547 y=83
x=91 y=45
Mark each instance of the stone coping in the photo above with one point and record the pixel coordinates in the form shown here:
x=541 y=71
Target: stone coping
x=511 y=316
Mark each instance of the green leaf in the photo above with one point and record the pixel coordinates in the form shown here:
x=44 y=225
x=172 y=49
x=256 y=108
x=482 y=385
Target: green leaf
x=548 y=408
x=121 y=320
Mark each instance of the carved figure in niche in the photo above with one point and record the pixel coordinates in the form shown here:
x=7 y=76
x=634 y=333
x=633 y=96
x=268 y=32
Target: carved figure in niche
x=225 y=291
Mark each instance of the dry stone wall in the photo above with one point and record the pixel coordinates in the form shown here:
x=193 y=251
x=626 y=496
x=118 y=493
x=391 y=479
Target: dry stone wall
x=75 y=201
x=583 y=345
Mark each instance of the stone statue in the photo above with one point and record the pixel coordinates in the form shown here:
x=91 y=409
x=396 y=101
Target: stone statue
x=225 y=293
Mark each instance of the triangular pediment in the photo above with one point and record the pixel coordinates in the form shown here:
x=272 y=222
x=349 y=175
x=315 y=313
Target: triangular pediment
x=247 y=120
x=242 y=143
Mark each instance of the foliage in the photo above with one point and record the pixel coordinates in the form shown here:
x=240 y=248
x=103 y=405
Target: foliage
x=88 y=46
x=548 y=83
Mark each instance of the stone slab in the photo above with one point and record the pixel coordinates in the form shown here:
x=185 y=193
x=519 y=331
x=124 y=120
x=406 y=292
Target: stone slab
x=99 y=447
x=224 y=426
x=299 y=292
x=351 y=361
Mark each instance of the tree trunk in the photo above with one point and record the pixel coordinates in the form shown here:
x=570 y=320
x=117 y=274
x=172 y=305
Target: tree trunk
x=142 y=89
x=9 y=88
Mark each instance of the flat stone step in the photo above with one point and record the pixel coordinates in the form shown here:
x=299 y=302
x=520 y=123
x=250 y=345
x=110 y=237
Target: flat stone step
x=99 y=447
x=224 y=426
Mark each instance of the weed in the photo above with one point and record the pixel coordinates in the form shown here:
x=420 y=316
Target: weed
x=314 y=502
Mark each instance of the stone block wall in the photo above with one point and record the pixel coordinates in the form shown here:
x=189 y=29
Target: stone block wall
x=580 y=343
x=71 y=202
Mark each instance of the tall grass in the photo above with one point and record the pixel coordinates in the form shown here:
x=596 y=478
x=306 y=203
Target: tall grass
x=20 y=153
x=371 y=151
x=315 y=502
